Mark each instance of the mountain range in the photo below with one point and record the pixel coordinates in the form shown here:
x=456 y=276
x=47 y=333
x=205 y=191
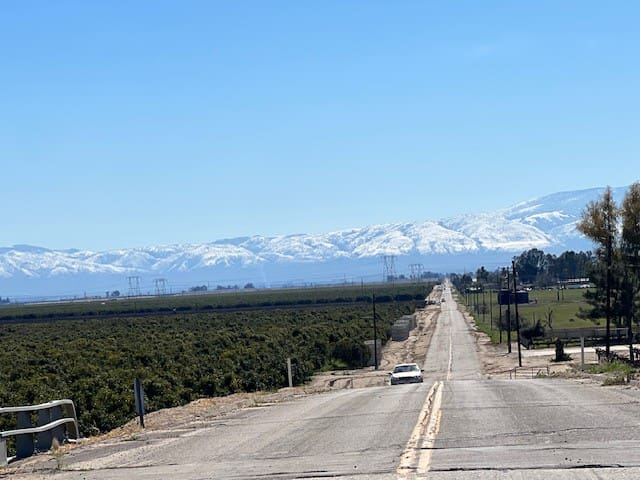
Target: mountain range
x=452 y=244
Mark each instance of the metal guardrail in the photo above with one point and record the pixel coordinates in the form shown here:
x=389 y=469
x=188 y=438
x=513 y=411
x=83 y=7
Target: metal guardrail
x=55 y=418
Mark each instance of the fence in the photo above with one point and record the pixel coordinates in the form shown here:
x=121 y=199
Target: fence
x=528 y=372
x=594 y=332
x=54 y=419
x=593 y=335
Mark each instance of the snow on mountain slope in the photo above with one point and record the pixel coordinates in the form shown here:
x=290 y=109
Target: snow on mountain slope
x=21 y=261
x=495 y=232
x=546 y=223
x=303 y=248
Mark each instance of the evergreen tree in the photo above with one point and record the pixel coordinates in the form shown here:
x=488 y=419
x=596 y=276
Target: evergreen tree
x=630 y=253
x=599 y=223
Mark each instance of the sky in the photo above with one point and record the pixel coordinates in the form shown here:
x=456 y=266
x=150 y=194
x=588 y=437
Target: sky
x=129 y=124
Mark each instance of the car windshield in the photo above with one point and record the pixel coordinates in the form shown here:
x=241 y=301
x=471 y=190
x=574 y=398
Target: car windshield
x=405 y=368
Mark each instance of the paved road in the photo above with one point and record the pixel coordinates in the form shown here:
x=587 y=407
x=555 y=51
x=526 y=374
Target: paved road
x=529 y=429
x=340 y=434
x=457 y=425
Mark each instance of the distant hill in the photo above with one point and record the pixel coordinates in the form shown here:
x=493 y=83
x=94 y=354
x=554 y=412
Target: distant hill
x=353 y=255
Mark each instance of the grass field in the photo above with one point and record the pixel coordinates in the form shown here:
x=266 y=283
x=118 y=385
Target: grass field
x=564 y=312
x=563 y=305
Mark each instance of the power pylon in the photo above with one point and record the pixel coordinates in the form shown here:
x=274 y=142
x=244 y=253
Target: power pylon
x=134 y=286
x=415 y=271
x=161 y=286
x=389 y=272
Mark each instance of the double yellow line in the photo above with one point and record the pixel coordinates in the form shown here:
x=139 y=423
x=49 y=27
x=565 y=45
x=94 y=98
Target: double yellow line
x=416 y=457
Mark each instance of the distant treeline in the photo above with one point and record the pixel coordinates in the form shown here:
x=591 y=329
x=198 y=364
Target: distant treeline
x=535 y=268
x=242 y=300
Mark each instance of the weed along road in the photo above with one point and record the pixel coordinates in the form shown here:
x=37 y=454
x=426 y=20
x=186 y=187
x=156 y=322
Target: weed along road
x=456 y=425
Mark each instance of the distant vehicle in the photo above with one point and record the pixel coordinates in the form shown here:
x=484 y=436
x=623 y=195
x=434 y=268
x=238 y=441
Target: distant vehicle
x=406 y=373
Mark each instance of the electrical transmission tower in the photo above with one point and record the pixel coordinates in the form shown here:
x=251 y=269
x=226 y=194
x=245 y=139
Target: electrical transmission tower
x=161 y=286
x=389 y=272
x=134 y=286
x=415 y=271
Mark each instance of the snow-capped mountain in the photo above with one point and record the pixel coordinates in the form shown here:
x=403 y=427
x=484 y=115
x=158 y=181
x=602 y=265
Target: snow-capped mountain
x=465 y=241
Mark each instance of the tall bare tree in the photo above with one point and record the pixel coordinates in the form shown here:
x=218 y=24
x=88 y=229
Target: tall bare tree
x=599 y=223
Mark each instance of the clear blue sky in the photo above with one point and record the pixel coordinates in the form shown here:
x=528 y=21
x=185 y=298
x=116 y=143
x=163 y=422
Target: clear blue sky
x=127 y=124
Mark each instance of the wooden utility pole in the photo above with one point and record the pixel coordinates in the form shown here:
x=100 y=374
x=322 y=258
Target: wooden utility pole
x=500 y=314
x=375 y=334
x=491 y=307
x=483 y=304
x=515 y=300
x=508 y=313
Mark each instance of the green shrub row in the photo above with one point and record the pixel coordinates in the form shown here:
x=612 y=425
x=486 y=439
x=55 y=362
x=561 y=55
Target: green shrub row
x=178 y=357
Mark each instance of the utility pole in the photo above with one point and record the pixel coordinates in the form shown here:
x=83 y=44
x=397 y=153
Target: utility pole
x=500 y=312
x=375 y=334
x=491 y=307
x=476 y=305
x=515 y=299
x=508 y=313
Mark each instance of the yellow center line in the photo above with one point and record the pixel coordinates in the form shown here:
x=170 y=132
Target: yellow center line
x=433 y=428
x=450 y=349
x=408 y=457
x=417 y=455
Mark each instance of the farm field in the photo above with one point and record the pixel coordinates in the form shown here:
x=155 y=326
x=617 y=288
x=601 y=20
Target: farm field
x=181 y=356
x=205 y=301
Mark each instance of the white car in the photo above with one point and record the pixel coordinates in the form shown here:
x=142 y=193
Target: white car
x=406 y=373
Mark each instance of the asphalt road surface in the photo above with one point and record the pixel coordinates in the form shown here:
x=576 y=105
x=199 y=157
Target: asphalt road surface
x=523 y=429
x=457 y=425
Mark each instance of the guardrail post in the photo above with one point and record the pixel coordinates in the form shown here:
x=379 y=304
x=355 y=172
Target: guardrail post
x=3 y=453
x=58 y=432
x=43 y=440
x=69 y=410
x=24 y=442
